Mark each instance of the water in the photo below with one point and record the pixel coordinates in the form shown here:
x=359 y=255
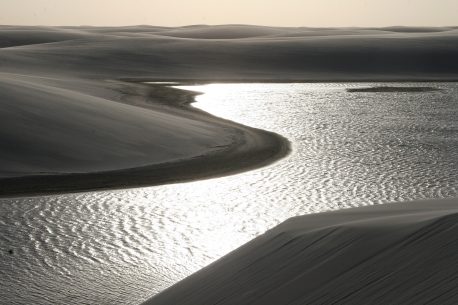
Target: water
x=120 y=247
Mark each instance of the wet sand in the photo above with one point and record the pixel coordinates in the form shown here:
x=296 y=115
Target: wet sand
x=88 y=151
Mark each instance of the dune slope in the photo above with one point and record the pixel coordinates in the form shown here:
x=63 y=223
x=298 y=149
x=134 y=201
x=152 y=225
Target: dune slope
x=66 y=111
x=404 y=253
x=54 y=130
x=234 y=52
x=73 y=134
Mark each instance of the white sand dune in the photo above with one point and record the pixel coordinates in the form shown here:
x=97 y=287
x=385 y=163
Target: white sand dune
x=407 y=29
x=234 y=52
x=403 y=253
x=223 y=32
x=70 y=120
x=72 y=134
x=54 y=130
x=17 y=37
x=65 y=109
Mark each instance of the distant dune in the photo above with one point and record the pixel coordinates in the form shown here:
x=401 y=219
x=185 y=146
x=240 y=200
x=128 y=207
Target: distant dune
x=393 y=89
x=70 y=110
x=233 y=52
x=75 y=116
x=403 y=253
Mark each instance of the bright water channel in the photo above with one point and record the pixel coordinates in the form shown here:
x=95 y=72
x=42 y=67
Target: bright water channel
x=120 y=247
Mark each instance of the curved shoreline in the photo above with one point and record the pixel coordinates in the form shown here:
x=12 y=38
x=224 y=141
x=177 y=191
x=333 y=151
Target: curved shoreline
x=250 y=149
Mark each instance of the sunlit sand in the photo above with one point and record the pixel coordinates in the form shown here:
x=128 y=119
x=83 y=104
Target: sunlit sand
x=78 y=114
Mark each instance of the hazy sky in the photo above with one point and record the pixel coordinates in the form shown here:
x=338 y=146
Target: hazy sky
x=264 y=12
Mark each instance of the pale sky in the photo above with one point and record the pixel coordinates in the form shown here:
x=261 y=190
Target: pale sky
x=313 y=13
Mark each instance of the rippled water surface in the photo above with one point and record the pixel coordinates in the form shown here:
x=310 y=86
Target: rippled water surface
x=120 y=247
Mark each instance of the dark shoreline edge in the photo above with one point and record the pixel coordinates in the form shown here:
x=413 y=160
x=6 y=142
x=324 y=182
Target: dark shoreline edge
x=270 y=147
x=212 y=165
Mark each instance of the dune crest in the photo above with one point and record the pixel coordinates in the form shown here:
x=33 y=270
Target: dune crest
x=70 y=107
x=232 y=52
x=401 y=253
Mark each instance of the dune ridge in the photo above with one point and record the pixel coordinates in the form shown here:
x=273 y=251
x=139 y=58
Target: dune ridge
x=78 y=90
x=233 y=52
x=75 y=117
x=403 y=253
x=74 y=135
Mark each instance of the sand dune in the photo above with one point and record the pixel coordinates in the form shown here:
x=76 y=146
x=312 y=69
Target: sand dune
x=54 y=130
x=13 y=38
x=406 y=29
x=403 y=253
x=66 y=111
x=71 y=121
x=237 y=52
x=224 y=32
x=72 y=134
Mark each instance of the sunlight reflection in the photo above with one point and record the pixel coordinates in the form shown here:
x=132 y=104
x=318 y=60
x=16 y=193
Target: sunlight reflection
x=346 y=154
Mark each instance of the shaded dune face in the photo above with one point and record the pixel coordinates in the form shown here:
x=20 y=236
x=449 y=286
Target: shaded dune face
x=58 y=126
x=223 y=32
x=377 y=255
x=20 y=36
x=234 y=51
x=48 y=130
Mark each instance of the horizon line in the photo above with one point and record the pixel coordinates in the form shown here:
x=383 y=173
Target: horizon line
x=242 y=24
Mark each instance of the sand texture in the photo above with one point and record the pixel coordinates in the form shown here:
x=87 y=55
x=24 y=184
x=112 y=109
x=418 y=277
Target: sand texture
x=74 y=117
x=73 y=134
x=72 y=108
x=232 y=52
x=403 y=253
